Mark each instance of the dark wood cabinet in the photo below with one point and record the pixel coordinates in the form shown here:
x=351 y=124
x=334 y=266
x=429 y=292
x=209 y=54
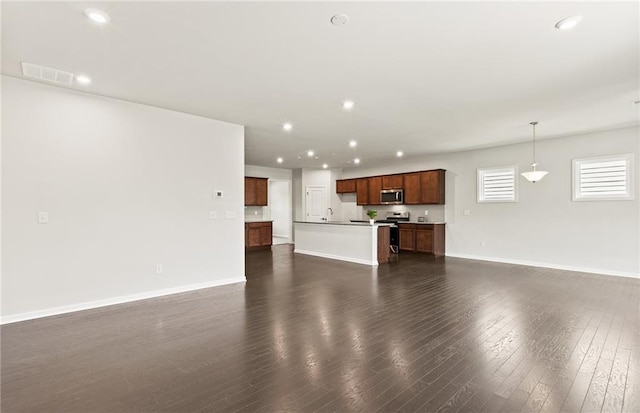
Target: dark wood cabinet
x=258 y=234
x=345 y=186
x=407 y=237
x=420 y=188
x=384 y=251
x=375 y=186
x=249 y=191
x=412 y=195
x=256 y=191
x=432 y=187
x=362 y=191
x=426 y=238
x=393 y=182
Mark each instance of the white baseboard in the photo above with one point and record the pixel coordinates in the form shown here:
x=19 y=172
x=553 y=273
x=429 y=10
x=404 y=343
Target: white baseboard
x=546 y=265
x=115 y=300
x=337 y=257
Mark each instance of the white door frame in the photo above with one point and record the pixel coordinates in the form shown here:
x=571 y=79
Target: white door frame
x=290 y=217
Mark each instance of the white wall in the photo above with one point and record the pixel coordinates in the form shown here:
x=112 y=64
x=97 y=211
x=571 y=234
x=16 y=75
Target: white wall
x=297 y=192
x=321 y=177
x=280 y=208
x=126 y=186
x=266 y=172
x=545 y=227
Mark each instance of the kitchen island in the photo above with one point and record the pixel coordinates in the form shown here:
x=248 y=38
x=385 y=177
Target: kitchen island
x=361 y=243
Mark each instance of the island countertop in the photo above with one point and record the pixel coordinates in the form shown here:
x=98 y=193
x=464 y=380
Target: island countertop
x=355 y=224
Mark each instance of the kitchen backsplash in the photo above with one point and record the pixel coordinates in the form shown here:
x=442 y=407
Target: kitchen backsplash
x=436 y=212
x=256 y=213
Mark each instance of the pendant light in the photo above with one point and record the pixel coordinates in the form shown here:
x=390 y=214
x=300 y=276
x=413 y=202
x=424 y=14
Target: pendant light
x=535 y=175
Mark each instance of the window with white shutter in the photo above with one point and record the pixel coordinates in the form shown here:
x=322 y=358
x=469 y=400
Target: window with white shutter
x=604 y=178
x=497 y=184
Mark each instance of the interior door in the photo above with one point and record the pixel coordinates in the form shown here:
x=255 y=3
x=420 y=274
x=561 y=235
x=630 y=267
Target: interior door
x=316 y=203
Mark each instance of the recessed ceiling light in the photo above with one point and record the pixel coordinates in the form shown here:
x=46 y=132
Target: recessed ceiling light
x=347 y=104
x=280 y=160
x=97 y=16
x=353 y=144
x=356 y=160
x=339 y=19
x=325 y=166
x=287 y=126
x=399 y=154
x=568 y=23
x=310 y=153
x=83 y=79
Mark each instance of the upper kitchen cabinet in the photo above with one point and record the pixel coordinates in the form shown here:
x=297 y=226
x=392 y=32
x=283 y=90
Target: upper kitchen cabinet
x=345 y=186
x=412 y=194
x=393 y=182
x=420 y=188
x=432 y=187
x=375 y=186
x=255 y=191
x=362 y=191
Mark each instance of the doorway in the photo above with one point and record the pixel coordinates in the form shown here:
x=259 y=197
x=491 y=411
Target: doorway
x=280 y=210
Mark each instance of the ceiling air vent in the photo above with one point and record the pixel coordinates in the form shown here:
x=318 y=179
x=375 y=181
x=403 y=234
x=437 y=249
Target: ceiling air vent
x=47 y=74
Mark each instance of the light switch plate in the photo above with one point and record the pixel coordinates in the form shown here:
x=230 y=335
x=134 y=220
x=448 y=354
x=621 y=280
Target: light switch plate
x=230 y=214
x=466 y=212
x=213 y=215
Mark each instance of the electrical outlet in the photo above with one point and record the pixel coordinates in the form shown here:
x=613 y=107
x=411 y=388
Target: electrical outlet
x=43 y=217
x=426 y=212
x=466 y=212
x=159 y=269
x=213 y=215
x=230 y=214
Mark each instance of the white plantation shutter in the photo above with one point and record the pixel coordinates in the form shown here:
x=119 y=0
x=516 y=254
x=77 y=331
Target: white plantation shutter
x=497 y=184
x=603 y=178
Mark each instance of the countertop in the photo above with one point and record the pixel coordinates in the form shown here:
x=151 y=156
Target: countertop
x=354 y=224
x=424 y=223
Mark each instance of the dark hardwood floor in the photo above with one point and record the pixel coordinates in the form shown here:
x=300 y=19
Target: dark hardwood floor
x=308 y=334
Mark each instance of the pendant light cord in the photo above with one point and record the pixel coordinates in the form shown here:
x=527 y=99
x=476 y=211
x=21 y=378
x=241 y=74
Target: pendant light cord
x=534 y=141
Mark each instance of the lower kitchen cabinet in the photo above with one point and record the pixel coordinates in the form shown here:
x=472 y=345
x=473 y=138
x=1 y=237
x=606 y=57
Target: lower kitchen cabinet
x=426 y=238
x=258 y=234
x=407 y=237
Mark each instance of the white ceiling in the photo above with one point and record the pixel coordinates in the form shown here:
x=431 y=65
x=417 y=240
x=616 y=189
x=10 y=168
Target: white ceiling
x=426 y=77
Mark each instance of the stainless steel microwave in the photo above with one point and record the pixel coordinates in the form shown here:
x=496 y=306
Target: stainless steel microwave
x=392 y=196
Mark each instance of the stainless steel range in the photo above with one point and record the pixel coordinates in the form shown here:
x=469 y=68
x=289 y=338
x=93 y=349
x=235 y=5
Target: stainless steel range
x=394 y=217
